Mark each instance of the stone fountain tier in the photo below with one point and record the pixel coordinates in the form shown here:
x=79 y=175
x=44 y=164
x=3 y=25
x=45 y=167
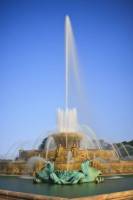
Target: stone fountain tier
x=68 y=139
x=68 y=155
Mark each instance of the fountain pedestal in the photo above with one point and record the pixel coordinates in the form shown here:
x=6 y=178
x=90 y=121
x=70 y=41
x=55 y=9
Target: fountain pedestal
x=68 y=151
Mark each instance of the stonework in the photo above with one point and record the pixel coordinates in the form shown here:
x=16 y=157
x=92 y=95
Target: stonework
x=104 y=160
x=10 y=195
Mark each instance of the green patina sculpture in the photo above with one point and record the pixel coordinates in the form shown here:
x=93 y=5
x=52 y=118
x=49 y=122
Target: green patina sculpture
x=85 y=175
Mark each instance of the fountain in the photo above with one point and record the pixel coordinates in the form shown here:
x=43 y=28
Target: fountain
x=68 y=162
x=70 y=154
x=73 y=152
x=71 y=145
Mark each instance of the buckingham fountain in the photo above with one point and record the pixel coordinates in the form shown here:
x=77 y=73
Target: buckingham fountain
x=71 y=153
x=66 y=150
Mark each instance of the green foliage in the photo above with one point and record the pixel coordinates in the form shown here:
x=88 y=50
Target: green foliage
x=43 y=144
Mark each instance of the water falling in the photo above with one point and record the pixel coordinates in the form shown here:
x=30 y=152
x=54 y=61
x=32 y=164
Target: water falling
x=115 y=151
x=91 y=135
x=67 y=120
x=69 y=158
x=50 y=144
x=126 y=151
x=12 y=152
x=118 y=151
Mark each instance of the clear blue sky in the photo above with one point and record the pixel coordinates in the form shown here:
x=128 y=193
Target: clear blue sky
x=32 y=65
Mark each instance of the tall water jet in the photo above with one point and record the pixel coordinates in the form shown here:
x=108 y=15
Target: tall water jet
x=67 y=25
x=70 y=59
x=67 y=121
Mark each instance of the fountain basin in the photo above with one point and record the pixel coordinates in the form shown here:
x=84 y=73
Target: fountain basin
x=68 y=139
x=109 y=186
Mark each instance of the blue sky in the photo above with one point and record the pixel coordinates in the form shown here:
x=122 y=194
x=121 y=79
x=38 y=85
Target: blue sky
x=32 y=66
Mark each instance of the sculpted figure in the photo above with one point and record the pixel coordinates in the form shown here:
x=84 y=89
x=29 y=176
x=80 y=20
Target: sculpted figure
x=74 y=150
x=60 y=151
x=87 y=174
